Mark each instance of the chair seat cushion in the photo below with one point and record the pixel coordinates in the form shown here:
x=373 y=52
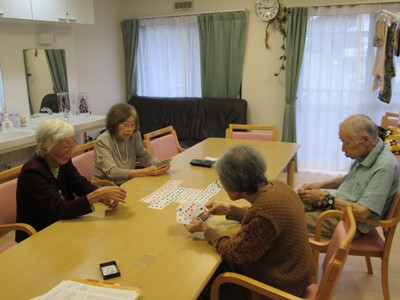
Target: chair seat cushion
x=371 y=242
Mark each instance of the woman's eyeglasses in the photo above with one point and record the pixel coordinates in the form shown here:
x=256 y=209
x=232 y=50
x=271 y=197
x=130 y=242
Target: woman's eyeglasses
x=67 y=148
x=219 y=184
x=129 y=125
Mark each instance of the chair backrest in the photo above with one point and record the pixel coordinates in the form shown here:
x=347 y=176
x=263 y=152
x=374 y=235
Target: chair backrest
x=8 y=202
x=50 y=101
x=252 y=132
x=336 y=255
x=10 y=174
x=162 y=143
x=84 y=163
x=393 y=213
x=389 y=119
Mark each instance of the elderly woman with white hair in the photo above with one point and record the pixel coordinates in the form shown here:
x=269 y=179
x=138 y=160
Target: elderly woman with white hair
x=50 y=188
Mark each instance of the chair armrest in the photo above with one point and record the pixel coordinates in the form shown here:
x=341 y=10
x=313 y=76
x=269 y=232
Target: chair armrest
x=251 y=284
x=380 y=223
x=326 y=214
x=318 y=245
x=103 y=182
x=6 y=228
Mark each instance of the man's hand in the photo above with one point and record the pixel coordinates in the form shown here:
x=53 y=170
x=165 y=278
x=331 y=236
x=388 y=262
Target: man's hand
x=311 y=196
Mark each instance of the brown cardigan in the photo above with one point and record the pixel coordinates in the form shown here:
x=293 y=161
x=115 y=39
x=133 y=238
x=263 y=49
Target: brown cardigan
x=272 y=244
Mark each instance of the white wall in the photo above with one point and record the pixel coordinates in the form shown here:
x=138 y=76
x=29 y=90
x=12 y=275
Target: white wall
x=18 y=35
x=95 y=57
x=100 y=56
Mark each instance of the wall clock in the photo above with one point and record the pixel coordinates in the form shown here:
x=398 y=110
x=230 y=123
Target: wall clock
x=267 y=10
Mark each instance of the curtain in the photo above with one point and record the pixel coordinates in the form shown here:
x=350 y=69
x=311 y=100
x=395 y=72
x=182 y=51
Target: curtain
x=222 y=44
x=168 y=57
x=336 y=82
x=58 y=69
x=130 y=37
x=296 y=33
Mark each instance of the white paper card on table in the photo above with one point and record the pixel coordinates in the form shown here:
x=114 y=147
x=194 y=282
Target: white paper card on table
x=73 y=290
x=211 y=190
x=162 y=191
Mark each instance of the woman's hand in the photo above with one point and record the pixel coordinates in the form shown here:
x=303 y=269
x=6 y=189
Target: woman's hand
x=109 y=195
x=149 y=171
x=218 y=209
x=197 y=226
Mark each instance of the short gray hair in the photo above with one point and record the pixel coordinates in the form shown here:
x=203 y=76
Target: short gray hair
x=242 y=169
x=359 y=125
x=51 y=131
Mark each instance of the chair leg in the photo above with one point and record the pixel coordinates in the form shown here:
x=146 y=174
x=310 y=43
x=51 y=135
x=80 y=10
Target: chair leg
x=369 y=265
x=385 y=278
x=316 y=265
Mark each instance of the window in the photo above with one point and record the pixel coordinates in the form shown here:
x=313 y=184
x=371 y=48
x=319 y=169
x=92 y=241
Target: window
x=168 y=57
x=336 y=82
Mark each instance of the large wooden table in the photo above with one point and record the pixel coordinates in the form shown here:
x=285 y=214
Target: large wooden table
x=184 y=263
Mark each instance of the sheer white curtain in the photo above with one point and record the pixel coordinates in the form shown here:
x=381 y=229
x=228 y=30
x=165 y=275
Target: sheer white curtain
x=168 y=57
x=336 y=82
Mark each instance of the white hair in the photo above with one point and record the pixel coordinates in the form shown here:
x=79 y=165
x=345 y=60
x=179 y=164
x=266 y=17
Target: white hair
x=51 y=131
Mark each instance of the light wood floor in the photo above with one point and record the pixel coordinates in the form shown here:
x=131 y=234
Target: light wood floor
x=355 y=283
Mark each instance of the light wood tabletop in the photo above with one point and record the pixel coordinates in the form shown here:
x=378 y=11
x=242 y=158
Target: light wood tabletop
x=183 y=262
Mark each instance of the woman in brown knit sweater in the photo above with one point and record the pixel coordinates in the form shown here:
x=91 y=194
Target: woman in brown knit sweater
x=272 y=244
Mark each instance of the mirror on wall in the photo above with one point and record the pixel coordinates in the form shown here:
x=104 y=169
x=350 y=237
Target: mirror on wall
x=2 y=100
x=46 y=76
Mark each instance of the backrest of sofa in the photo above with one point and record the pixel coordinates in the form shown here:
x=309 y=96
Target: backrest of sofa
x=160 y=112
x=219 y=113
x=192 y=118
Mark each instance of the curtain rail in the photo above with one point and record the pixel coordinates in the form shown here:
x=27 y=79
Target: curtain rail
x=188 y=14
x=343 y=4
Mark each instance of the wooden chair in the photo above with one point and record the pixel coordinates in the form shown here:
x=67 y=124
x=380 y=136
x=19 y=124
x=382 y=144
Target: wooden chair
x=84 y=162
x=252 y=132
x=389 y=119
x=162 y=143
x=373 y=244
x=14 y=172
x=336 y=250
x=10 y=174
x=8 y=213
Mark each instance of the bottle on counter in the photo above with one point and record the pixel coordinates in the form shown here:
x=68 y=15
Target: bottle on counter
x=7 y=124
x=22 y=120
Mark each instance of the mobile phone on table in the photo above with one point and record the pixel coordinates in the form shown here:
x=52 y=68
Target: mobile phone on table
x=163 y=162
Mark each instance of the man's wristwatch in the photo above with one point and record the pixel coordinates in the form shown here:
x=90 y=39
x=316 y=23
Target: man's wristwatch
x=328 y=201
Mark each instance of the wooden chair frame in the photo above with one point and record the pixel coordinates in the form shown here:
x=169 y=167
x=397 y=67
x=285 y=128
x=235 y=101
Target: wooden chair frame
x=147 y=137
x=389 y=229
x=325 y=287
x=388 y=116
x=243 y=127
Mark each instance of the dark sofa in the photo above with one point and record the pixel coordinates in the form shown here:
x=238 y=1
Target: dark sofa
x=194 y=119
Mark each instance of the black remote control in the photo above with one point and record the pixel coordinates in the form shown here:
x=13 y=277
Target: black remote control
x=202 y=163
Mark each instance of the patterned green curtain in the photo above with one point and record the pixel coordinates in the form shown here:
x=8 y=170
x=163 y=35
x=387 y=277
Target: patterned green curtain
x=130 y=29
x=58 y=69
x=296 y=34
x=222 y=43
